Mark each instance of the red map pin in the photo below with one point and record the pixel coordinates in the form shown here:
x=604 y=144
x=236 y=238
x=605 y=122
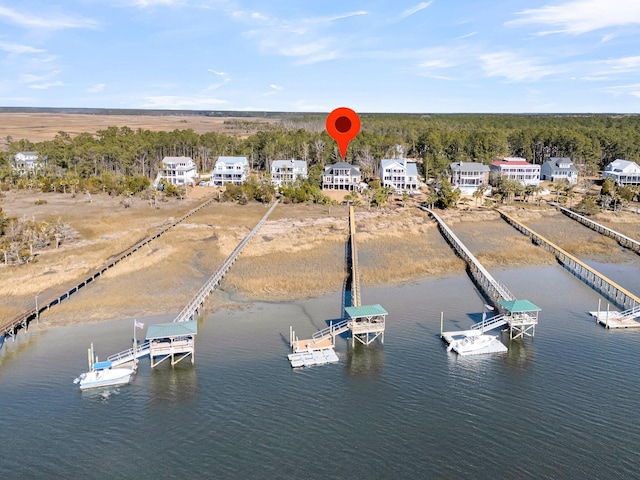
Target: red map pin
x=343 y=124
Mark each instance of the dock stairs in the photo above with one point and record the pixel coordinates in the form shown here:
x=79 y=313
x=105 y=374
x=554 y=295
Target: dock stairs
x=128 y=356
x=491 y=324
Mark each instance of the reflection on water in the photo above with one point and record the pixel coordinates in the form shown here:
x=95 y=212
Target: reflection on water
x=521 y=353
x=173 y=384
x=365 y=361
x=243 y=412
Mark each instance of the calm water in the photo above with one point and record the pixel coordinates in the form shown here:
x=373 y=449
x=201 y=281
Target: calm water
x=563 y=405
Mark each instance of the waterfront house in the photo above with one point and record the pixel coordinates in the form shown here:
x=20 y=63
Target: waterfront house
x=399 y=174
x=558 y=169
x=341 y=176
x=516 y=168
x=468 y=176
x=286 y=172
x=623 y=172
x=29 y=162
x=178 y=171
x=230 y=170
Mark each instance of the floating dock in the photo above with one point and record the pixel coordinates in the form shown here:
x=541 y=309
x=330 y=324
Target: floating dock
x=313 y=357
x=627 y=319
x=365 y=322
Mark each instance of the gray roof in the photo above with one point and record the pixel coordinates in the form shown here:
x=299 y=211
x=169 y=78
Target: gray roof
x=232 y=160
x=469 y=167
x=355 y=170
x=296 y=163
x=173 y=329
x=554 y=163
x=410 y=167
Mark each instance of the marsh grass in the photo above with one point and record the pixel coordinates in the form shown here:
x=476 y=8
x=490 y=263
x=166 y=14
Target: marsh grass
x=299 y=252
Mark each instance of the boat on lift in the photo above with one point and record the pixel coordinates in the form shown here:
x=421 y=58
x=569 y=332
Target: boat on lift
x=476 y=344
x=102 y=374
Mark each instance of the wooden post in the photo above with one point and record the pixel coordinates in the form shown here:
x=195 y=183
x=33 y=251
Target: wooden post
x=37 y=311
x=441 y=322
x=607 y=321
x=598 y=316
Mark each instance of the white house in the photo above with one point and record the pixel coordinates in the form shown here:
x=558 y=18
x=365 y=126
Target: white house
x=623 y=172
x=177 y=171
x=468 y=176
x=29 y=162
x=341 y=176
x=230 y=170
x=559 y=168
x=516 y=168
x=286 y=172
x=399 y=174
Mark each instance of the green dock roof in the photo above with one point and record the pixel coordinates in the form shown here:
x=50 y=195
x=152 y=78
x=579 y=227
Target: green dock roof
x=173 y=329
x=365 y=311
x=517 y=306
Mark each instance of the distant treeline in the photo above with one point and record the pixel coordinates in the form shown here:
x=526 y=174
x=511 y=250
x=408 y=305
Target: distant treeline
x=591 y=141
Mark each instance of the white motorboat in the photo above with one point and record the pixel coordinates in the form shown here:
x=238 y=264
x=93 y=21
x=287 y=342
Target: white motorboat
x=102 y=374
x=476 y=344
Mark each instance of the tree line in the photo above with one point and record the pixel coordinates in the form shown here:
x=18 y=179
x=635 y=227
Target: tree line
x=591 y=141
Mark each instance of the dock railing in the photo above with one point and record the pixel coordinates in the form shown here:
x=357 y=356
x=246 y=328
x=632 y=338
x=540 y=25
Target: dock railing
x=494 y=289
x=192 y=307
x=11 y=326
x=590 y=276
x=623 y=240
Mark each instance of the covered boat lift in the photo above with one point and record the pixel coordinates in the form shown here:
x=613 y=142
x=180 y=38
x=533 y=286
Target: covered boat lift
x=521 y=316
x=175 y=340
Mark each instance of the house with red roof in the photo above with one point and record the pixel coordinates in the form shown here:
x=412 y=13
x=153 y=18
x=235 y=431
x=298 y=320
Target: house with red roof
x=516 y=168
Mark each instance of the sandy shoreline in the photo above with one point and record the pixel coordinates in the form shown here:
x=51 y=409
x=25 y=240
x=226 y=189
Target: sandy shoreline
x=299 y=252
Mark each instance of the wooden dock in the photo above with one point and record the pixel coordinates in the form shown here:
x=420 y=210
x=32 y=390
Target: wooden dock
x=591 y=277
x=190 y=311
x=490 y=286
x=10 y=327
x=623 y=240
x=612 y=319
x=366 y=323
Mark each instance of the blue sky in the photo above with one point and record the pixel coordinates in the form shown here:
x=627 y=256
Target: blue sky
x=440 y=56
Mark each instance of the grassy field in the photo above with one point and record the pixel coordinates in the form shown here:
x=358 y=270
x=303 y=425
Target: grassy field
x=298 y=253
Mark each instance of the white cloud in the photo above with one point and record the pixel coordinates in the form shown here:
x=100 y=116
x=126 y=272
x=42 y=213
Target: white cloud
x=410 y=11
x=220 y=74
x=274 y=89
x=97 y=88
x=581 y=16
x=46 y=85
x=309 y=40
x=175 y=101
x=514 y=68
x=15 y=48
x=52 y=22
x=31 y=78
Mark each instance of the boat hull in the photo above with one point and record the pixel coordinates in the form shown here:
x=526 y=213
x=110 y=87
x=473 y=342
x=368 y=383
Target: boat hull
x=104 y=378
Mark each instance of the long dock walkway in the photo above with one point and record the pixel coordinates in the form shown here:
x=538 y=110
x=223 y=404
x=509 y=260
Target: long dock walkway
x=191 y=309
x=10 y=327
x=366 y=323
x=607 y=287
x=520 y=315
x=623 y=240
x=494 y=289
